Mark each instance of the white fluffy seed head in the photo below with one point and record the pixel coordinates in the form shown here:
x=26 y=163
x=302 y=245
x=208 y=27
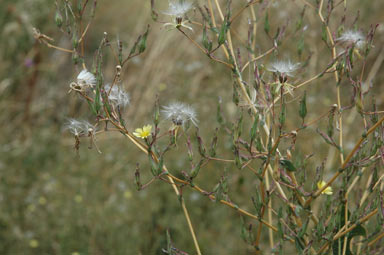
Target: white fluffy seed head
x=79 y=127
x=283 y=67
x=180 y=113
x=117 y=97
x=352 y=37
x=178 y=8
x=86 y=79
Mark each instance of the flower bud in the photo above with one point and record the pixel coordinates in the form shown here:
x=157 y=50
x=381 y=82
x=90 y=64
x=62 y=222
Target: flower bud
x=58 y=19
x=75 y=41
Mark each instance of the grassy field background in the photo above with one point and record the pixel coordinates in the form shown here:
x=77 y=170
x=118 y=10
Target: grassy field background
x=55 y=202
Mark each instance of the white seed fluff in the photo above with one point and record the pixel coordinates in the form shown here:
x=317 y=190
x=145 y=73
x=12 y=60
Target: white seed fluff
x=283 y=67
x=178 y=8
x=179 y=113
x=117 y=97
x=79 y=127
x=86 y=79
x=355 y=37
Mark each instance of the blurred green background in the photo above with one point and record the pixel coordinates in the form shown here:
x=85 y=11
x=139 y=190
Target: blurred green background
x=55 y=202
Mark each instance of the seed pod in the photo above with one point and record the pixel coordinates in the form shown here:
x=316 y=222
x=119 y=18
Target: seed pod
x=254 y=128
x=75 y=57
x=201 y=146
x=153 y=165
x=235 y=96
x=58 y=19
x=287 y=165
x=156 y=114
x=303 y=106
x=137 y=178
x=207 y=43
x=330 y=128
x=143 y=41
x=196 y=169
x=75 y=40
x=160 y=165
x=219 y=115
x=266 y=23
x=212 y=151
x=222 y=33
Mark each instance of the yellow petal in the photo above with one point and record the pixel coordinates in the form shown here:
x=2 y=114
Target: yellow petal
x=147 y=128
x=327 y=191
x=320 y=184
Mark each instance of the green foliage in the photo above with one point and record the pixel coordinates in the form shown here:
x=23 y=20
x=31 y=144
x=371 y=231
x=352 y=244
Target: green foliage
x=59 y=200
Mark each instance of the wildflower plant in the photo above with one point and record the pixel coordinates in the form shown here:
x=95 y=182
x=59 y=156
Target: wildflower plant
x=272 y=122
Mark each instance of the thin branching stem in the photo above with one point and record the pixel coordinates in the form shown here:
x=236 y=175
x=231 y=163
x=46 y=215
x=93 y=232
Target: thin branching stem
x=344 y=165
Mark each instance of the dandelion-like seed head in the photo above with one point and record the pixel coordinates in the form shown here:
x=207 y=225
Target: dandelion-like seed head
x=327 y=191
x=143 y=132
x=180 y=113
x=117 y=96
x=86 y=79
x=355 y=37
x=283 y=67
x=80 y=127
x=178 y=8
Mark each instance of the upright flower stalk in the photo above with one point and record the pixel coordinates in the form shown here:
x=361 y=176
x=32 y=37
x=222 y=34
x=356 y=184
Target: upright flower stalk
x=262 y=136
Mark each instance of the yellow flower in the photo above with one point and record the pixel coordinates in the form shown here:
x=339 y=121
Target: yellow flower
x=327 y=191
x=143 y=132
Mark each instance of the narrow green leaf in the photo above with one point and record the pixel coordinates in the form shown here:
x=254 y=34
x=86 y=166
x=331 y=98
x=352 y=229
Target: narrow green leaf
x=222 y=33
x=324 y=36
x=266 y=23
x=254 y=127
x=287 y=165
x=303 y=106
x=300 y=45
x=196 y=169
x=143 y=41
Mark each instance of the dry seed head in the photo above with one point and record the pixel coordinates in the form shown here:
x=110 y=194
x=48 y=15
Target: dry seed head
x=86 y=79
x=117 y=96
x=178 y=8
x=179 y=113
x=80 y=127
x=283 y=67
x=352 y=37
